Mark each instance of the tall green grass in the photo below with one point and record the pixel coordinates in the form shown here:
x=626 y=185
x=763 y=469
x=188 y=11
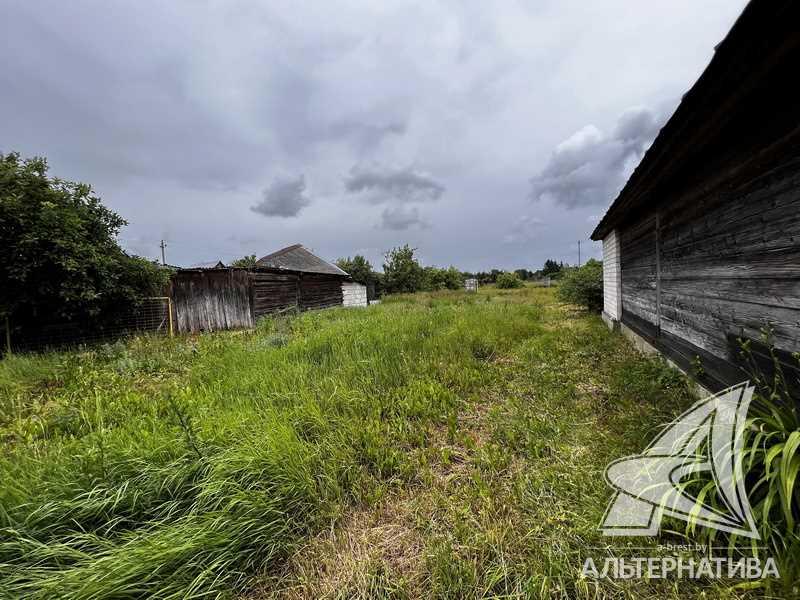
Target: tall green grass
x=181 y=468
x=201 y=467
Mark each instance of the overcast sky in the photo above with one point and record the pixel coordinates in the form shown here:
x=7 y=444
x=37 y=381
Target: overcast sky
x=486 y=134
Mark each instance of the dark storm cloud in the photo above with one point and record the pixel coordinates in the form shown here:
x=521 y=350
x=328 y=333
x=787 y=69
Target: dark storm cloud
x=285 y=197
x=401 y=218
x=120 y=114
x=180 y=112
x=589 y=168
x=387 y=184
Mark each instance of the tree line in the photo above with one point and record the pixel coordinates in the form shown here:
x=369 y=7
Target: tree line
x=402 y=273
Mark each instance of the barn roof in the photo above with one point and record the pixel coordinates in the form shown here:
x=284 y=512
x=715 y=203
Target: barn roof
x=757 y=52
x=298 y=258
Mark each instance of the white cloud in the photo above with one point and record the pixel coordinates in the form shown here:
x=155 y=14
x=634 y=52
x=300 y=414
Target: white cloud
x=589 y=168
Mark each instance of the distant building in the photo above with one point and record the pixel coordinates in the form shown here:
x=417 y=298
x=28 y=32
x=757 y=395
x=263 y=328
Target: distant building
x=217 y=297
x=316 y=283
x=702 y=246
x=209 y=265
x=300 y=259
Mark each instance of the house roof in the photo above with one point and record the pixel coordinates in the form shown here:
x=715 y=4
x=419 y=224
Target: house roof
x=208 y=265
x=298 y=258
x=760 y=49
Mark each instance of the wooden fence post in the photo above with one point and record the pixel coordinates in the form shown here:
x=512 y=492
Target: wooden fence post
x=169 y=309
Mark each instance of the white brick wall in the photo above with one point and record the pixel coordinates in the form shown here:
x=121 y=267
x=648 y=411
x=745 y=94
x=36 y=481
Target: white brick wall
x=354 y=294
x=612 y=276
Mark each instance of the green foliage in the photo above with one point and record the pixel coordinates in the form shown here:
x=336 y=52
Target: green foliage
x=402 y=272
x=60 y=259
x=435 y=279
x=509 y=281
x=583 y=285
x=359 y=268
x=551 y=268
x=771 y=467
x=485 y=277
x=246 y=262
x=524 y=274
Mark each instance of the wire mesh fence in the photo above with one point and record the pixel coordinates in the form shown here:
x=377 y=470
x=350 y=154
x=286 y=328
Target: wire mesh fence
x=151 y=315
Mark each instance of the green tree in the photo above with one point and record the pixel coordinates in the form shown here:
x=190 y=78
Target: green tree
x=453 y=278
x=59 y=260
x=402 y=272
x=583 y=285
x=432 y=279
x=246 y=262
x=359 y=268
x=551 y=268
x=509 y=281
x=524 y=274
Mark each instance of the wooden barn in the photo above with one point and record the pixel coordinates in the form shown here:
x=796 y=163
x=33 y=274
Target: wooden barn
x=295 y=270
x=216 y=298
x=701 y=249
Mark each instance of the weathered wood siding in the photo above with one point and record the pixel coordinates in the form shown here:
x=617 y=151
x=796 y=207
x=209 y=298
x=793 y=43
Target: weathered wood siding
x=320 y=291
x=276 y=291
x=210 y=300
x=214 y=299
x=725 y=264
x=273 y=292
x=638 y=269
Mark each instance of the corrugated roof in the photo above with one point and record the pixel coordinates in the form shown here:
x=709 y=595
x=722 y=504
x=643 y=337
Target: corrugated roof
x=298 y=258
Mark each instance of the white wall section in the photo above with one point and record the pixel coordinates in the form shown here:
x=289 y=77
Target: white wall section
x=612 y=285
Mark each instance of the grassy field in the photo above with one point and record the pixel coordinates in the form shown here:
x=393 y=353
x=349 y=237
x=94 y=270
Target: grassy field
x=436 y=445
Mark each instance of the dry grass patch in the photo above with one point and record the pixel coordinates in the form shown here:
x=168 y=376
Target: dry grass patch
x=373 y=551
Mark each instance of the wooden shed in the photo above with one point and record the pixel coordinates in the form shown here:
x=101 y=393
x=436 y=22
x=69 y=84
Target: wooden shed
x=210 y=299
x=317 y=283
x=702 y=247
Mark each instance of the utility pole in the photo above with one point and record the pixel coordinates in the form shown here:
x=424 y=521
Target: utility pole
x=579 y=253
x=163 y=245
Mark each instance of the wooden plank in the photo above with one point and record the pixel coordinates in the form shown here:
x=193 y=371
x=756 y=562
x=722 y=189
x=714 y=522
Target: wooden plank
x=211 y=300
x=658 y=273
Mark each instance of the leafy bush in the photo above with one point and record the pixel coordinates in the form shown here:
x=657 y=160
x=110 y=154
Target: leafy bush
x=436 y=278
x=60 y=259
x=509 y=281
x=583 y=285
